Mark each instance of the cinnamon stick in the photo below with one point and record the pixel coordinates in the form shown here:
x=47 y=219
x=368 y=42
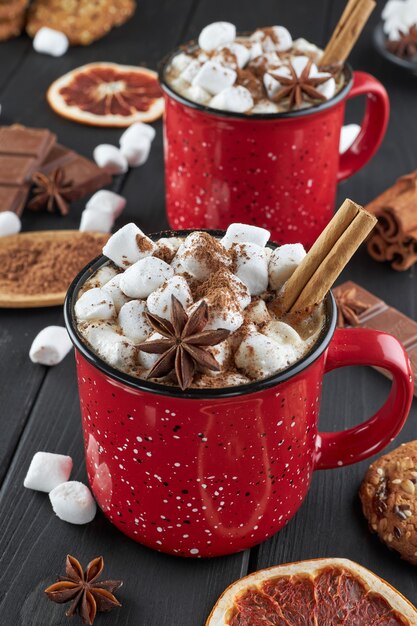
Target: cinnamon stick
x=347 y=31
x=328 y=256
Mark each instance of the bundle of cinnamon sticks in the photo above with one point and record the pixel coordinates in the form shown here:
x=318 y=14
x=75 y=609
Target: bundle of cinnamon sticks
x=347 y=31
x=395 y=236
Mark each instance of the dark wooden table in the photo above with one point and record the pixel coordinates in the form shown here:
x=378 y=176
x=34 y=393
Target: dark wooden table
x=39 y=407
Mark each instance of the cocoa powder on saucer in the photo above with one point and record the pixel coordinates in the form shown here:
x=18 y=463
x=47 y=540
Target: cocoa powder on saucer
x=38 y=267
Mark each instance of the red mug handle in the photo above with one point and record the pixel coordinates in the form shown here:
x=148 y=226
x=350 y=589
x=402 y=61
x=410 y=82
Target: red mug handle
x=374 y=124
x=363 y=346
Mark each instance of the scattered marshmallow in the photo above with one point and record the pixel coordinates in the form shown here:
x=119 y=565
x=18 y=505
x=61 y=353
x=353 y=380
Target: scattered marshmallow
x=133 y=321
x=10 y=223
x=110 y=159
x=73 y=502
x=136 y=153
x=144 y=277
x=245 y=233
x=213 y=77
x=160 y=301
x=47 y=470
x=94 y=304
x=284 y=261
x=348 y=136
x=237 y=99
x=94 y=221
x=50 y=41
x=128 y=245
x=107 y=202
x=135 y=132
x=199 y=254
x=260 y=356
x=114 y=348
x=215 y=35
x=252 y=267
x=112 y=287
x=50 y=346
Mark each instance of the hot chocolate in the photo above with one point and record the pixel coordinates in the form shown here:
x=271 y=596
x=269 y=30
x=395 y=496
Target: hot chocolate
x=195 y=311
x=264 y=72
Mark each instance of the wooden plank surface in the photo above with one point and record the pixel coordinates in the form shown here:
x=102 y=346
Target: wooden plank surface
x=40 y=407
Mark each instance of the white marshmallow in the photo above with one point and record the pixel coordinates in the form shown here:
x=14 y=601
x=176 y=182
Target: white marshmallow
x=237 y=99
x=240 y=52
x=128 y=245
x=255 y=50
x=50 y=41
x=180 y=61
x=265 y=106
x=284 y=38
x=136 y=153
x=47 y=471
x=101 y=277
x=112 y=287
x=190 y=71
x=177 y=266
x=133 y=322
x=10 y=223
x=144 y=277
x=159 y=302
x=228 y=315
x=73 y=502
x=215 y=35
x=222 y=352
x=328 y=88
x=259 y=356
x=348 y=136
x=283 y=333
x=197 y=94
x=213 y=77
x=245 y=233
x=299 y=63
x=107 y=202
x=167 y=246
x=308 y=48
x=257 y=313
x=200 y=253
x=252 y=267
x=284 y=261
x=147 y=359
x=135 y=132
x=50 y=346
x=110 y=159
x=271 y=80
x=94 y=304
x=112 y=347
x=95 y=221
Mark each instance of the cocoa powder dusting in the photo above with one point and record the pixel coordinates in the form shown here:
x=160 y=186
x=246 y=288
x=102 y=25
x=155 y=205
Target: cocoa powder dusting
x=36 y=267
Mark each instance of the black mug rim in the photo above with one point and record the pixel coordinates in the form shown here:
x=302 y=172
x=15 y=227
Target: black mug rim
x=196 y=393
x=317 y=108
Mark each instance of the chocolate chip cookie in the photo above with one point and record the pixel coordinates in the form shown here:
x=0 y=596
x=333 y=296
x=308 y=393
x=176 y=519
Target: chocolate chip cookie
x=389 y=499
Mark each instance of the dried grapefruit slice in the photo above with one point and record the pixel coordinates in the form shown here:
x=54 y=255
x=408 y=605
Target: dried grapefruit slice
x=107 y=94
x=321 y=592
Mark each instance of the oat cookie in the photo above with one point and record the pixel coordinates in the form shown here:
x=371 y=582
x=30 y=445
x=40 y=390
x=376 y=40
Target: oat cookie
x=10 y=9
x=83 y=21
x=389 y=499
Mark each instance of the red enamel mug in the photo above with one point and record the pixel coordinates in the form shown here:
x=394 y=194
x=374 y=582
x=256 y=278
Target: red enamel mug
x=278 y=171
x=209 y=472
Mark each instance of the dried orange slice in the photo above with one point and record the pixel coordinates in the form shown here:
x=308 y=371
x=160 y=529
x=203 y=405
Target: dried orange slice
x=107 y=94
x=318 y=592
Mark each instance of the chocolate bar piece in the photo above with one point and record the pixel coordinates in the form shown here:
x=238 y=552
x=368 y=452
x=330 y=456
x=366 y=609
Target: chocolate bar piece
x=85 y=176
x=372 y=312
x=22 y=150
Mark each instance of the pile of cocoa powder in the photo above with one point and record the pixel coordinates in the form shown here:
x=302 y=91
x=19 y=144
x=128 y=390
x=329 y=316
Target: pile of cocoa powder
x=39 y=267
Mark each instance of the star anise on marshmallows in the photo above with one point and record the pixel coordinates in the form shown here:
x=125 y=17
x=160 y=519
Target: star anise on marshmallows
x=184 y=342
x=294 y=87
x=82 y=588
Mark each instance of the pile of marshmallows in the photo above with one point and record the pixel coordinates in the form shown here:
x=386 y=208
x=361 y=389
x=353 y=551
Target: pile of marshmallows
x=399 y=16
x=210 y=78
x=112 y=311
x=71 y=500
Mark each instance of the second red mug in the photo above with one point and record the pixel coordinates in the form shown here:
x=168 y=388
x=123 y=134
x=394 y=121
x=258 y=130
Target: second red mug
x=208 y=472
x=278 y=171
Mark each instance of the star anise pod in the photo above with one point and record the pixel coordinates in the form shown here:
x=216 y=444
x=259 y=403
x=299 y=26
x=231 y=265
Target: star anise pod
x=86 y=594
x=184 y=343
x=349 y=307
x=406 y=45
x=294 y=87
x=50 y=191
